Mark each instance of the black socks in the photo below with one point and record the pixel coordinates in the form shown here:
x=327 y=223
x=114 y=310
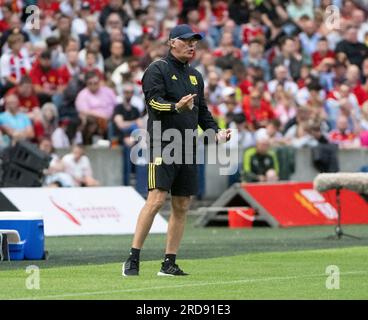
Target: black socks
x=170 y=257
x=134 y=253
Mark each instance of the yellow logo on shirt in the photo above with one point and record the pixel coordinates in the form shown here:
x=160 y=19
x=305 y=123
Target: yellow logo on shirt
x=193 y=80
x=158 y=161
x=174 y=77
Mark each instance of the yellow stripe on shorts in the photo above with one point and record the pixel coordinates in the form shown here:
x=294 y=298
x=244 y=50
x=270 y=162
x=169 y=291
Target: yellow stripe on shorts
x=154 y=175
x=151 y=176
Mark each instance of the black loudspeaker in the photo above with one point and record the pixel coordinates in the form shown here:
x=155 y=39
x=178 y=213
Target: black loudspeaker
x=17 y=176
x=29 y=156
x=23 y=165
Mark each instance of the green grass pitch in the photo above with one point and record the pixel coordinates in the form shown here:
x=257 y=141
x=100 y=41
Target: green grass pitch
x=259 y=263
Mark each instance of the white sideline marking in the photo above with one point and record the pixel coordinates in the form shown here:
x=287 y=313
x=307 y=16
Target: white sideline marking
x=186 y=285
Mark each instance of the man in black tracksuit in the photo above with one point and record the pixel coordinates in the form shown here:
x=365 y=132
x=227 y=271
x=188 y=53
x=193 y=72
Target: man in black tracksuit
x=174 y=95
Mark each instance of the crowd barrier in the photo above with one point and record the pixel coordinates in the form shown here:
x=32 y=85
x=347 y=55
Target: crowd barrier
x=107 y=165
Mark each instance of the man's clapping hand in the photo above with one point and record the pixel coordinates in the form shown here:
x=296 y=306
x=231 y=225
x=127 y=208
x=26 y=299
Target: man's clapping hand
x=185 y=103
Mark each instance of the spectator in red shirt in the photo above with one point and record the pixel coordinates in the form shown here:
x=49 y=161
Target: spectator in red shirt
x=253 y=29
x=227 y=47
x=322 y=52
x=97 y=5
x=353 y=80
x=50 y=8
x=6 y=11
x=342 y=135
x=257 y=110
x=28 y=100
x=45 y=78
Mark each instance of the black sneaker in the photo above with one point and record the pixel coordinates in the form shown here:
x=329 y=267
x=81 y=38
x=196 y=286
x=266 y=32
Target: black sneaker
x=170 y=269
x=130 y=267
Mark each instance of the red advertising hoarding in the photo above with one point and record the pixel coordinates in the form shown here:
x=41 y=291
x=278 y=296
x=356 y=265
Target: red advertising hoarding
x=299 y=204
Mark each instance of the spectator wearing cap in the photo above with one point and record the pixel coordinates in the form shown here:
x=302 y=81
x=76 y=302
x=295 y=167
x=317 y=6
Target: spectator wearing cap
x=15 y=63
x=45 y=79
x=79 y=23
x=15 y=124
x=95 y=104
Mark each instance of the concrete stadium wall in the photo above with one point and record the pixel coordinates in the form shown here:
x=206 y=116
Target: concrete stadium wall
x=107 y=167
x=349 y=161
x=107 y=164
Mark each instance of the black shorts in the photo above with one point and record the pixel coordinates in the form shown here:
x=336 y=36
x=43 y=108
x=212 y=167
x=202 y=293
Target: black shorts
x=179 y=179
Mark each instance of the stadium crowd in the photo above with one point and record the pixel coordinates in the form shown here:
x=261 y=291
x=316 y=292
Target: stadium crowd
x=279 y=71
